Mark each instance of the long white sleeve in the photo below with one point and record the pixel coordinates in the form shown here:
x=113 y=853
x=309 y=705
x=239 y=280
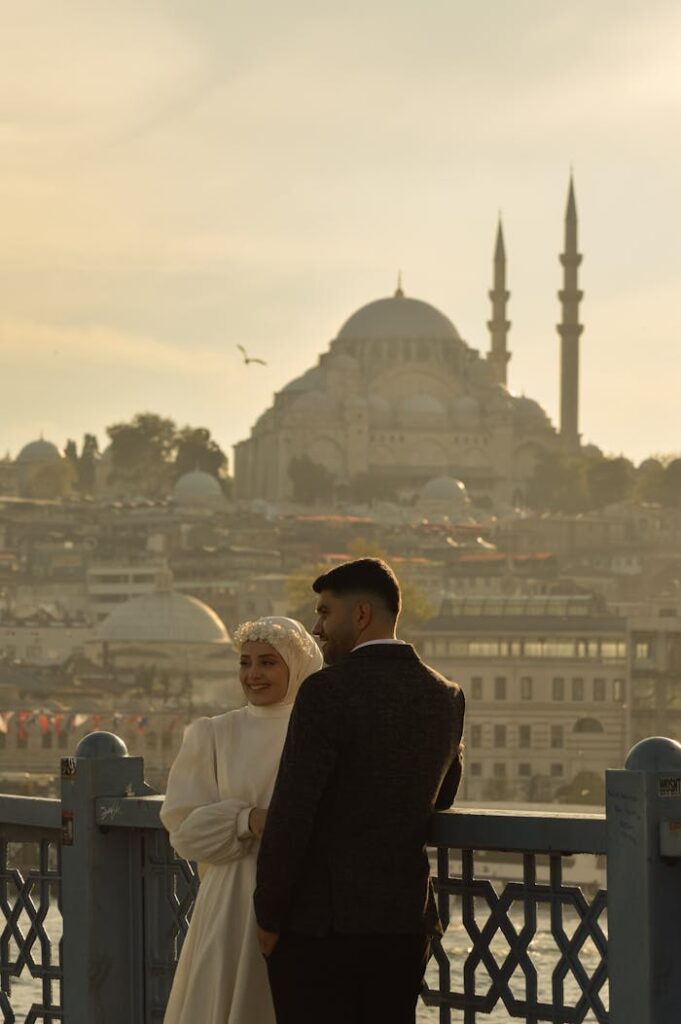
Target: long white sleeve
x=201 y=826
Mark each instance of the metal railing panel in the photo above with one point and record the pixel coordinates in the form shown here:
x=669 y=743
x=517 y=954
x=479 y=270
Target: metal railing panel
x=30 y=874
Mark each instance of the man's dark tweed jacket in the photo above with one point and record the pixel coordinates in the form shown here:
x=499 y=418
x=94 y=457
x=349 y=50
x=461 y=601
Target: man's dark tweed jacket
x=373 y=747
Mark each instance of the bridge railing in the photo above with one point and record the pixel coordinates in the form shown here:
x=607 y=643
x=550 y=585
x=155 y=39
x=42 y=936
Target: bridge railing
x=522 y=941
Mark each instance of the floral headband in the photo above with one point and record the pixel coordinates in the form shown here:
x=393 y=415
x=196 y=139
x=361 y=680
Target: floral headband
x=275 y=634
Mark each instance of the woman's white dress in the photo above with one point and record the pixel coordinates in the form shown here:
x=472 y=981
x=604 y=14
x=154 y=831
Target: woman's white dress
x=226 y=766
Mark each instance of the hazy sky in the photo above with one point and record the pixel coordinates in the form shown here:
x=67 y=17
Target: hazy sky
x=178 y=177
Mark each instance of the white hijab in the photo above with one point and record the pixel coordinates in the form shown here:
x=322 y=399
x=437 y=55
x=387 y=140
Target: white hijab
x=292 y=641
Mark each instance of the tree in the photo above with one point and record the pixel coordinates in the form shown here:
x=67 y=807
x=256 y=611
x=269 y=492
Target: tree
x=87 y=464
x=142 y=452
x=311 y=481
x=557 y=484
x=608 y=480
x=367 y=487
x=196 y=449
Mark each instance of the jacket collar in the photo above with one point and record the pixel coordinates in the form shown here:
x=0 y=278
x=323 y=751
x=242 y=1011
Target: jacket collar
x=402 y=651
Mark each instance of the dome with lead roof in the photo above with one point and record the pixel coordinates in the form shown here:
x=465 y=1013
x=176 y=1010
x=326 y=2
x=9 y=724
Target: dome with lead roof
x=398 y=317
x=38 y=451
x=198 y=488
x=164 y=617
x=444 y=488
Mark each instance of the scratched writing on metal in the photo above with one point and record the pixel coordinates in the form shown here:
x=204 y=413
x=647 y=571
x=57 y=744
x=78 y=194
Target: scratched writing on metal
x=626 y=813
x=108 y=812
x=67 y=828
x=669 y=786
x=68 y=767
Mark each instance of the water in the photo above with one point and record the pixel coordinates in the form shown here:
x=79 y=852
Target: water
x=26 y=990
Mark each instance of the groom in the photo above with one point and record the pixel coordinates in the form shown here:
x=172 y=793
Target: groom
x=343 y=900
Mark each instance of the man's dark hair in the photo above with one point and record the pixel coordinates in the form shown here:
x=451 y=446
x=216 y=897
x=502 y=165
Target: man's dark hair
x=371 y=576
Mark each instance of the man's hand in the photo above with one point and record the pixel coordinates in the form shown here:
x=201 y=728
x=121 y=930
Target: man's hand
x=256 y=821
x=267 y=941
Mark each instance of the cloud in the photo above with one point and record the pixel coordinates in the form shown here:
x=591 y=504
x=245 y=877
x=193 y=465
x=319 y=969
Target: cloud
x=44 y=344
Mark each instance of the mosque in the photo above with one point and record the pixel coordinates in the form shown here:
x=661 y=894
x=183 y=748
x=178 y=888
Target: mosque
x=400 y=397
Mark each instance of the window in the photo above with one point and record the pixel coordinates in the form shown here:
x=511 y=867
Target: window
x=587 y=725
x=556 y=736
x=558 y=688
x=483 y=649
x=499 y=736
x=524 y=770
x=524 y=736
x=610 y=649
x=475 y=769
x=578 y=689
x=499 y=770
x=526 y=687
x=556 y=771
x=599 y=689
x=642 y=652
x=500 y=688
x=476 y=735
x=618 y=689
x=476 y=687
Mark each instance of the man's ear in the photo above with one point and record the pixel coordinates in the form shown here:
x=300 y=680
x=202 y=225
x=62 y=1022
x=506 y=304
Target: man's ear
x=364 y=614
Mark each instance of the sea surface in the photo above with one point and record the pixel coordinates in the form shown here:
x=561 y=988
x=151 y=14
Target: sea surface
x=25 y=991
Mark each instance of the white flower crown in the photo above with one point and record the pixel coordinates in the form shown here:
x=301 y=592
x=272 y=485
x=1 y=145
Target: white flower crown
x=273 y=633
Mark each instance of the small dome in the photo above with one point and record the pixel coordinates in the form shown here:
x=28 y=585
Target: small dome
x=198 y=488
x=309 y=381
x=380 y=412
x=426 y=404
x=164 y=617
x=315 y=402
x=527 y=407
x=343 y=363
x=444 y=488
x=398 y=317
x=466 y=411
x=264 y=420
x=38 y=451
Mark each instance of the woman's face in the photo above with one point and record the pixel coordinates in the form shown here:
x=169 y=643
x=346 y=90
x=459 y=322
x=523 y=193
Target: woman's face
x=263 y=673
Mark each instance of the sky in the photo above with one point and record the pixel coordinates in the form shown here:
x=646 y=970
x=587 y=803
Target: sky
x=177 y=178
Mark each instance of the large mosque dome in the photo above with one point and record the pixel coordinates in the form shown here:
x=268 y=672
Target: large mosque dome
x=398 y=317
x=163 y=617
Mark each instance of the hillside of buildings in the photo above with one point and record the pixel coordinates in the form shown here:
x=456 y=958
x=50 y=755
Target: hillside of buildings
x=119 y=593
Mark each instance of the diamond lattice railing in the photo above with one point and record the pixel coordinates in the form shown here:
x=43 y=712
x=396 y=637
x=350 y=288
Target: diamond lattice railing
x=529 y=950
x=30 y=954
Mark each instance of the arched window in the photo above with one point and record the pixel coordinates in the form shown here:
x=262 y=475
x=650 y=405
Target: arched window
x=587 y=725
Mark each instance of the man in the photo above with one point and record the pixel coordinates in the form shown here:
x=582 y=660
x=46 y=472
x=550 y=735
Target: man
x=343 y=899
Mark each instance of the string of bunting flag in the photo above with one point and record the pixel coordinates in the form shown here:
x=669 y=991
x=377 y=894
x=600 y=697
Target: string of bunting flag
x=59 y=722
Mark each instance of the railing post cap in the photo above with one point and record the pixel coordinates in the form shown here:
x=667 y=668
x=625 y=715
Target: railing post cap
x=654 y=754
x=101 y=745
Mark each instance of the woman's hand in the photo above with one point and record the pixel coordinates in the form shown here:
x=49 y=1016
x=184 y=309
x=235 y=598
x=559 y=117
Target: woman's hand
x=256 y=821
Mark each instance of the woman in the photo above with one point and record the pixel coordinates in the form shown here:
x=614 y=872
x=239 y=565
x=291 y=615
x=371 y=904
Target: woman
x=215 y=807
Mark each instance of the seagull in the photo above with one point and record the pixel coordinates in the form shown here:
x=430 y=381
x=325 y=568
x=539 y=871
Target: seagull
x=250 y=359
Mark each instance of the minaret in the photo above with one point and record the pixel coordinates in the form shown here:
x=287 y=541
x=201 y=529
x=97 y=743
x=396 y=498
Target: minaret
x=498 y=355
x=570 y=329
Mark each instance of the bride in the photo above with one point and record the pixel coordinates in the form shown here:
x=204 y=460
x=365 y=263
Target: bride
x=215 y=808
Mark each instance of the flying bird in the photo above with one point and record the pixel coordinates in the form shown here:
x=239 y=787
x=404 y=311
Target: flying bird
x=250 y=359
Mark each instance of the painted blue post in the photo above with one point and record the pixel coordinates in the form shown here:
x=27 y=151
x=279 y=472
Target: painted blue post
x=101 y=888
x=643 y=808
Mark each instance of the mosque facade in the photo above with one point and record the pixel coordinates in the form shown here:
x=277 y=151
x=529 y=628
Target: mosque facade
x=401 y=399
